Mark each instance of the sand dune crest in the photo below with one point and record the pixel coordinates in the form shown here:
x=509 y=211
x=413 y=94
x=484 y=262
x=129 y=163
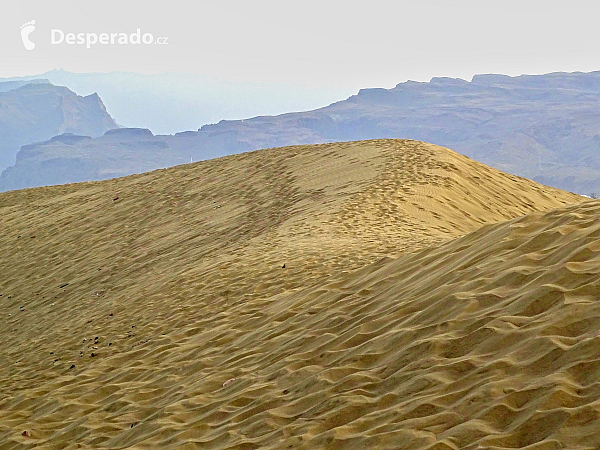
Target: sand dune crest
x=419 y=307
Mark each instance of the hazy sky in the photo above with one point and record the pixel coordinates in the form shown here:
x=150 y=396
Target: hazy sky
x=316 y=43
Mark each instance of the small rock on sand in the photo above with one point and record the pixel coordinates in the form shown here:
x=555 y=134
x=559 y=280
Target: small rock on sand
x=231 y=380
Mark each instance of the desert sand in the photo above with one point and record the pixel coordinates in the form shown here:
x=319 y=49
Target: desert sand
x=381 y=294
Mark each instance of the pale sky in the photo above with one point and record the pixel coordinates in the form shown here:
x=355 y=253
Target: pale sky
x=316 y=43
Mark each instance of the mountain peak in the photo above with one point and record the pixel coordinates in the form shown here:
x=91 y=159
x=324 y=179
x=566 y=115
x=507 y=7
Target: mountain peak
x=35 y=111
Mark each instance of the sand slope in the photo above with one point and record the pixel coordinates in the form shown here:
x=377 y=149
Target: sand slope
x=173 y=281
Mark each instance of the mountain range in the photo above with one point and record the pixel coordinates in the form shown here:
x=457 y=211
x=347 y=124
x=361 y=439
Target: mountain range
x=543 y=127
x=167 y=103
x=37 y=111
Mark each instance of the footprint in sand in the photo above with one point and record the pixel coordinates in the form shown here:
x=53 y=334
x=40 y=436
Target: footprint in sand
x=26 y=30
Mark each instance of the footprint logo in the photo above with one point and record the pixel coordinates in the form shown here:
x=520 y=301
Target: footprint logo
x=26 y=30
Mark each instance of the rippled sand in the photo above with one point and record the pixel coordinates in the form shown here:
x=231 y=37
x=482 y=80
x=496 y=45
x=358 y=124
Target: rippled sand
x=419 y=306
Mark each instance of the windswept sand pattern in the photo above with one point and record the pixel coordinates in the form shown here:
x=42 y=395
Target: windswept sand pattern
x=153 y=311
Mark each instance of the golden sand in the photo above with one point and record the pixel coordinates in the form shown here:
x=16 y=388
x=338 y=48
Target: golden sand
x=155 y=311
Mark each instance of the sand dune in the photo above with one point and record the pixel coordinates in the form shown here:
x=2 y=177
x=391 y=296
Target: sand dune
x=155 y=311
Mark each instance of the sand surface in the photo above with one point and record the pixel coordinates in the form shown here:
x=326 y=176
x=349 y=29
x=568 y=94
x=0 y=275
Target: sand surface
x=427 y=301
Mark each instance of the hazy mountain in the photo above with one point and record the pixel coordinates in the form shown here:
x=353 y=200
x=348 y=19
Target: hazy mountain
x=544 y=127
x=71 y=158
x=167 y=103
x=31 y=112
x=11 y=85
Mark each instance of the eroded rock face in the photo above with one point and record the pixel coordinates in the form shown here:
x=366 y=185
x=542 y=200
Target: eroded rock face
x=36 y=111
x=70 y=158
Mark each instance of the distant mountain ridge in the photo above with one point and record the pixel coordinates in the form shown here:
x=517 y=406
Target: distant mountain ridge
x=70 y=158
x=36 y=111
x=542 y=127
x=11 y=85
x=171 y=102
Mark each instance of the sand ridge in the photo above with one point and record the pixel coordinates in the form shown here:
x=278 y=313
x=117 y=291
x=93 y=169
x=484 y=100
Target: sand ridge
x=204 y=338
